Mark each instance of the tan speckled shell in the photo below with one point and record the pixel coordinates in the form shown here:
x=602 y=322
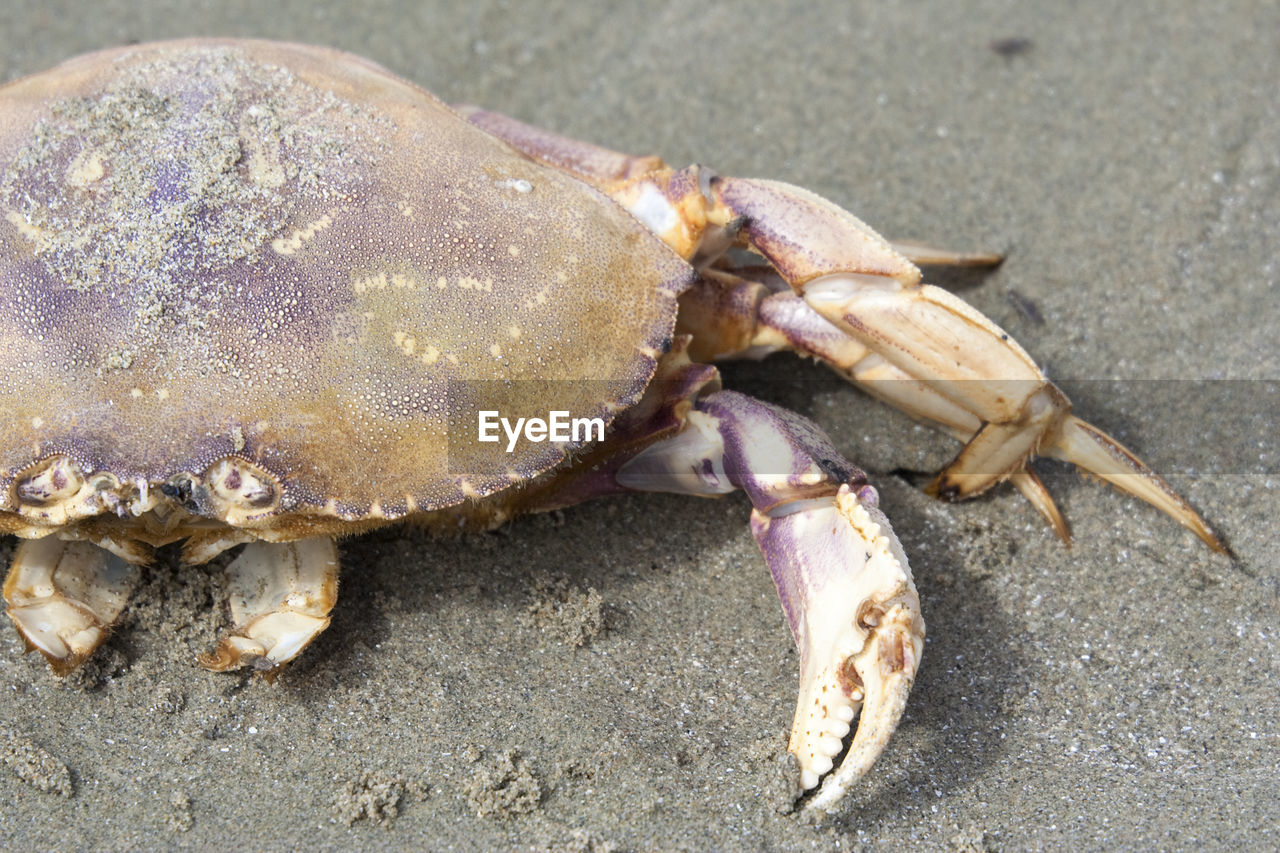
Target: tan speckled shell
x=313 y=321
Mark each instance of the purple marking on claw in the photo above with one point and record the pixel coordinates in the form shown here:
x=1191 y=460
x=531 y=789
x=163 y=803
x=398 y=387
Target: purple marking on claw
x=776 y=456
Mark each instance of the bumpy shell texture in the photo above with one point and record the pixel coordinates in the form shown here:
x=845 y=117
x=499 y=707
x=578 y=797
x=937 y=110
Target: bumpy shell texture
x=287 y=255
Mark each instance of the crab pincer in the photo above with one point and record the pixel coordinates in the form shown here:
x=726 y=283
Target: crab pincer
x=830 y=561
x=843 y=579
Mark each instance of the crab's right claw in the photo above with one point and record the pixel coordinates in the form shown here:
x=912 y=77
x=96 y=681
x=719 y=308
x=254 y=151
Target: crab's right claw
x=848 y=595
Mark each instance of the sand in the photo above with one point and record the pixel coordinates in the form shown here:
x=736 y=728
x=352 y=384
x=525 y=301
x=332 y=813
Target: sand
x=619 y=676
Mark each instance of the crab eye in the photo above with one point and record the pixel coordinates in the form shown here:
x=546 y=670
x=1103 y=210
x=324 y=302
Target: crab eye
x=242 y=485
x=49 y=481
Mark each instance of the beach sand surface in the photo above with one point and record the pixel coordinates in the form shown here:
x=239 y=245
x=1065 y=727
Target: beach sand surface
x=619 y=676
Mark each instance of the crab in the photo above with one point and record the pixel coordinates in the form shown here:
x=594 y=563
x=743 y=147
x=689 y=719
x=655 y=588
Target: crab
x=265 y=295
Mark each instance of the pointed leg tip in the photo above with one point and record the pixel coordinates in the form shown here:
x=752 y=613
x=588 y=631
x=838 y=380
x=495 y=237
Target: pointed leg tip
x=64 y=667
x=1096 y=453
x=1215 y=542
x=232 y=652
x=925 y=255
x=1026 y=482
x=227 y=657
x=941 y=489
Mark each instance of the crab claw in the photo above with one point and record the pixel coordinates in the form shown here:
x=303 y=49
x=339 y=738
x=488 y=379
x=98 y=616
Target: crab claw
x=841 y=574
x=848 y=595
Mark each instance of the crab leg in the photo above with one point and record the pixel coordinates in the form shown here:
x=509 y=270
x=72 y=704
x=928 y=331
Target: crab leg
x=733 y=317
x=856 y=281
x=63 y=597
x=844 y=582
x=952 y=359
x=924 y=255
x=592 y=163
x=281 y=595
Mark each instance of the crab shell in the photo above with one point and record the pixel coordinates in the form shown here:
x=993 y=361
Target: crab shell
x=260 y=278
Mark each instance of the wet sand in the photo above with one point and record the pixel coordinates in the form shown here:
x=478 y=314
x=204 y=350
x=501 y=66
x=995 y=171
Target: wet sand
x=619 y=676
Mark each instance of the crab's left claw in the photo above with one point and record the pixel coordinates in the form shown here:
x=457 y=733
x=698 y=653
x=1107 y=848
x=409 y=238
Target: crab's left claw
x=841 y=575
x=848 y=595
